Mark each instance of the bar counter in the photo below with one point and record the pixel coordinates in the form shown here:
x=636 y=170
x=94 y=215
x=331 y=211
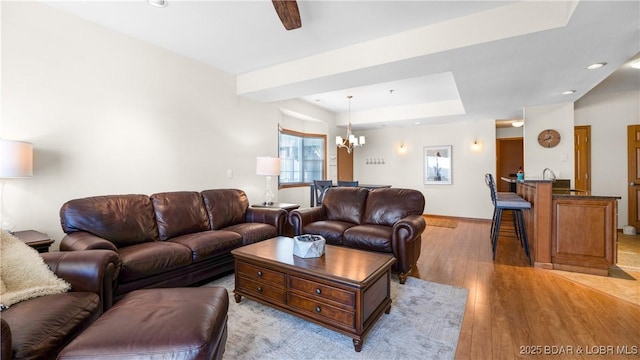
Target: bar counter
x=568 y=229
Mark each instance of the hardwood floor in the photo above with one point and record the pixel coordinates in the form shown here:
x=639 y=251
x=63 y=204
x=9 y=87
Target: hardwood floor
x=514 y=309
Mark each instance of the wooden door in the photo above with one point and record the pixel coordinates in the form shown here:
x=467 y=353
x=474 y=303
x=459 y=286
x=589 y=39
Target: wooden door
x=509 y=158
x=582 y=153
x=345 y=165
x=633 y=174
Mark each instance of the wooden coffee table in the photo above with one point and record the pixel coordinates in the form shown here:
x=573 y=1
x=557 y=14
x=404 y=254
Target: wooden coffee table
x=345 y=290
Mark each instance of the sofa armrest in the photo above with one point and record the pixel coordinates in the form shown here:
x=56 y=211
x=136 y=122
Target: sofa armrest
x=271 y=216
x=299 y=217
x=82 y=240
x=92 y=271
x=5 y=332
x=409 y=228
x=405 y=232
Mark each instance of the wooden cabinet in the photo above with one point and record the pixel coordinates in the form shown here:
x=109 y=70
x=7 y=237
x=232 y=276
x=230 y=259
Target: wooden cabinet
x=343 y=308
x=570 y=230
x=584 y=234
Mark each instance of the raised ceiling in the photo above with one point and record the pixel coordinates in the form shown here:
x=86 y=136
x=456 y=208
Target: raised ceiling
x=403 y=61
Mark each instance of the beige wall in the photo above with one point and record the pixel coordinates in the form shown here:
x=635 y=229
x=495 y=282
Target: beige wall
x=110 y=114
x=467 y=196
x=560 y=158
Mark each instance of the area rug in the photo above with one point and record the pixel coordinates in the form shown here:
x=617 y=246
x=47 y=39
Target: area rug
x=441 y=222
x=424 y=323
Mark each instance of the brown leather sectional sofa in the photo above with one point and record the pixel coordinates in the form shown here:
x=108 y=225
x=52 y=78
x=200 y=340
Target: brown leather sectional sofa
x=384 y=220
x=39 y=328
x=170 y=239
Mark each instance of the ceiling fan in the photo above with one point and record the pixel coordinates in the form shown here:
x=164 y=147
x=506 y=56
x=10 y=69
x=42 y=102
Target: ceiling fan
x=288 y=13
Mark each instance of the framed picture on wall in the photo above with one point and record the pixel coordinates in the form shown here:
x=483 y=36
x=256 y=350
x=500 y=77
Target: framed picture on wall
x=437 y=165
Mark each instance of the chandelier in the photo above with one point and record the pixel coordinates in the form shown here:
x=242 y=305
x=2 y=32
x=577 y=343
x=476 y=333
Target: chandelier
x=351 y=140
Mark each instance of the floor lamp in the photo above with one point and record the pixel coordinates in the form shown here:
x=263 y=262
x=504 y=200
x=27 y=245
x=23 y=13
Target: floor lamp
x=16 y=161
x=268 y=166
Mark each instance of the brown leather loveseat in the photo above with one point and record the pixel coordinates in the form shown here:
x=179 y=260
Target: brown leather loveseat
x=170 y=239
x=384 y=220
x=39 y=328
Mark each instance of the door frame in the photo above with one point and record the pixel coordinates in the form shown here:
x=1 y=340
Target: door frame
x=633 y=174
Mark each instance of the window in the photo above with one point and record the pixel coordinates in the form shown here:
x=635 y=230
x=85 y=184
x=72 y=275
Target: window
x=303 y=157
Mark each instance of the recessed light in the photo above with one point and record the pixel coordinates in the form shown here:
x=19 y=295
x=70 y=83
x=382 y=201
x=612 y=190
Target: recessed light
x=518 y=123
x=636 y=64
x=568 y=92
x=158 y=3
x=596 y=66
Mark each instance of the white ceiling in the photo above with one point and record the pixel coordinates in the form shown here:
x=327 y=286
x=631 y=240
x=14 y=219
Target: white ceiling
x=444 y=60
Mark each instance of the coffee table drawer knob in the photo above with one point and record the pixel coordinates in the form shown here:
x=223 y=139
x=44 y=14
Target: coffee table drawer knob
x=259 y=273
x=318 y=309
x=259 y=289
x=318 y=291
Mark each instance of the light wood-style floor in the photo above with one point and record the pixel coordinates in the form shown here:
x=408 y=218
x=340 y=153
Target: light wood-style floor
x=514 y=309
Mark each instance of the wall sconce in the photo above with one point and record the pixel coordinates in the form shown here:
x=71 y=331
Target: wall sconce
x=475 y=146
x=402 y=149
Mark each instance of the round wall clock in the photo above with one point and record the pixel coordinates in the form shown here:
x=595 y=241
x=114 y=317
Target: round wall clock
x=549 y=138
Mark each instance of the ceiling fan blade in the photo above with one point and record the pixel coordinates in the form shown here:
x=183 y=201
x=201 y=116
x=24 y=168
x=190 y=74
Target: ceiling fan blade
x=288 y=12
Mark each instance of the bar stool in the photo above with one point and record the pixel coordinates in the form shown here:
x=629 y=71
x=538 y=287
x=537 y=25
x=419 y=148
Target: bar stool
x=507 y=201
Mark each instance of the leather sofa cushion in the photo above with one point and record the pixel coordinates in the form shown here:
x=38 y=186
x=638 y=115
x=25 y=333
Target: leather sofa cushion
x=253 y=232
x=369 y=237
x=387 y=206
x=171 y=323
x=345 y=203
x=225 y=207
x=331 y=230
x=42 y=326
x=208 y=244
x=179 y=213
x=122 y=219
x=142 y=260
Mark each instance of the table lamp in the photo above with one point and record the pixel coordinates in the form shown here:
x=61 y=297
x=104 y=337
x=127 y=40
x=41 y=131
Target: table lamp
x=16 y=161
x=268 y=166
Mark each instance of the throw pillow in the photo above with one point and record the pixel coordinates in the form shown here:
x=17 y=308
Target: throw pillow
x=23 y=273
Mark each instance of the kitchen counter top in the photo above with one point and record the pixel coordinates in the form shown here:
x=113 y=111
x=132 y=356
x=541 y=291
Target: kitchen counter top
x=579 y=194
x=560 y=193
x=526 y=180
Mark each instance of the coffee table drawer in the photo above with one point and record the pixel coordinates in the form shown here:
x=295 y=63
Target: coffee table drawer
x=273 y=278
x=261 y=290
x=313 y=288
x=322 y=311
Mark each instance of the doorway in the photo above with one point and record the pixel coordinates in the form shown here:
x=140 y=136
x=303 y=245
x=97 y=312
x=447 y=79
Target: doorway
x=509 y=159
x=345 y=165
x=582 y=156
x=633 y=174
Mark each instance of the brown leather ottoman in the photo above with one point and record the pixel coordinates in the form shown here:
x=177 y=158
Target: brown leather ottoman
x=176 y=323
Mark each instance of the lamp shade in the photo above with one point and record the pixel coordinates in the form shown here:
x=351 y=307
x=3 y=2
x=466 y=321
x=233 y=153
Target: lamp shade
x=269 y=166
x=16 y=159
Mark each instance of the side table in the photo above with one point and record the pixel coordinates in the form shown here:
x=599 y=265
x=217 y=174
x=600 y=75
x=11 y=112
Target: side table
x=35 y=239
x=288 y=229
